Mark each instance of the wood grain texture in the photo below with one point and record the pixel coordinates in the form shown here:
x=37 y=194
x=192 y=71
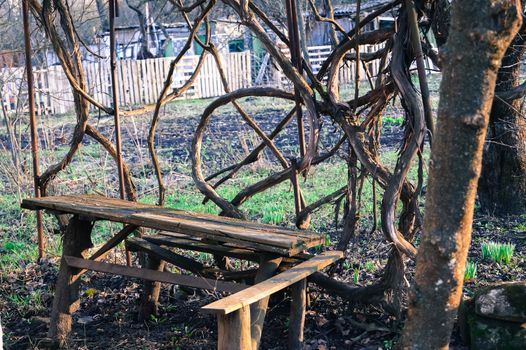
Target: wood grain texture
x=139 y=244
x=273 y=284
x=66 y=300
x=298 y=305
x=234 y=330
x=151 y=275
x=261 y=237
x=196 y=245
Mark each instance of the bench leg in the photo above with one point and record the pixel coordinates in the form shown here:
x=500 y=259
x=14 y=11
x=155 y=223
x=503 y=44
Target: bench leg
x=234 y=330
x=150 y=297
x=76 y=241
x=297 y=314
x=258 y=310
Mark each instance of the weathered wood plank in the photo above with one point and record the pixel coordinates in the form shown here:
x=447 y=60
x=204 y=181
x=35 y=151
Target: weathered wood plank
x=121 y=208
x=273 y=284
x=199 y=246
x=136 y=244
x=151 y=275
x=208 y=229
x=282 y=241
x=258 y=247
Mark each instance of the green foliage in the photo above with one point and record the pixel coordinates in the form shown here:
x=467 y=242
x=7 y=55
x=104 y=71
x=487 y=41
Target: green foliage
x=356 y=275
x=498 y=252
x=27 y=302
x=471 y=271
x=370 y=266
x=394 y=120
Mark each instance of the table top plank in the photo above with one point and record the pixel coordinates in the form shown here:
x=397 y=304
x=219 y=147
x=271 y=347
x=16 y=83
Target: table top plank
x=274 y=239
x=211 y=230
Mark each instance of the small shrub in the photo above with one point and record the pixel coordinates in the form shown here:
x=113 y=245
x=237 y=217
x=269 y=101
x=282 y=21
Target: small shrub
x=498 y=252
x=471 y=271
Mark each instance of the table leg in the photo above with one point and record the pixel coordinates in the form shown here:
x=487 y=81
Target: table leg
x=150 y=296
x=234 y=330
x=297 y=314
x=258 y=310
x=76 y=242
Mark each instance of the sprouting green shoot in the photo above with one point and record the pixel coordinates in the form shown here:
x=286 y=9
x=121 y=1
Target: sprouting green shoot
x=356 y=275
x=498 y=252
x=370 y=266
x=471 y=271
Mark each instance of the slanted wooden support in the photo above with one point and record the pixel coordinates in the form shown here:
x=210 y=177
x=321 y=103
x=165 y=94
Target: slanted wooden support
x=113 y=242
x=151 y=289
x=184 y=242
x=298 y=292
x=234 y=330
x=258 y=310
x=139 y=244
x=76 y=242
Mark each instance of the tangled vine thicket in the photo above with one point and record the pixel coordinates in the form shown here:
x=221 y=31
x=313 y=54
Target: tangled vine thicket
x=318 y=95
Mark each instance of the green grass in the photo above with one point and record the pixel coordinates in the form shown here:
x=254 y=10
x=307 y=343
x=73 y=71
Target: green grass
x=470 y=273
x=498 y=252
x=394 y=120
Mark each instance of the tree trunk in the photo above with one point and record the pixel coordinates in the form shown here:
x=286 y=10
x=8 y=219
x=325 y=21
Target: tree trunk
x=144 y=52
x=103 y=15
x=479 y=36
x=502 y=184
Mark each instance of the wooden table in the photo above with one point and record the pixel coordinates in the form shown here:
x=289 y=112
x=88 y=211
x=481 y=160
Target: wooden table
x=224 y=237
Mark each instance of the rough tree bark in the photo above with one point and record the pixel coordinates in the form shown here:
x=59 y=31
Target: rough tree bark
x=479 y=36
x=502 y=184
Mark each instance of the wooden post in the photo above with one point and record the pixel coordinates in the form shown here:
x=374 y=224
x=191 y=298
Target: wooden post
x=150 y=295
x=234 y=330
x=297 y=314
x=258 y=310
x=76 y=241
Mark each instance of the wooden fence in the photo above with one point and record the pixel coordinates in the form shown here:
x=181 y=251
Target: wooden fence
x=140 y=82
x=318 y=55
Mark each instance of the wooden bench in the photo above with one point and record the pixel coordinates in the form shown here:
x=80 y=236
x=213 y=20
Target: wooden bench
x=266 y=245
x=234 y=314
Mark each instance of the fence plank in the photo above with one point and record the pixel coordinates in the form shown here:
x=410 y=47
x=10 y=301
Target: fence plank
x=142 y=81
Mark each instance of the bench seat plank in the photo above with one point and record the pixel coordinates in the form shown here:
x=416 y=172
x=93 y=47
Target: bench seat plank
x=268 y=287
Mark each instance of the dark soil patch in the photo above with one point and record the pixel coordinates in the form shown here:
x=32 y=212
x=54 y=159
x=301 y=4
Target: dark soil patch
x=107 y=316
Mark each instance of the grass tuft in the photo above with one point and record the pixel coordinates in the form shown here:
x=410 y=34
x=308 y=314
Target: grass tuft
x=471 y=271
x=498 y=252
